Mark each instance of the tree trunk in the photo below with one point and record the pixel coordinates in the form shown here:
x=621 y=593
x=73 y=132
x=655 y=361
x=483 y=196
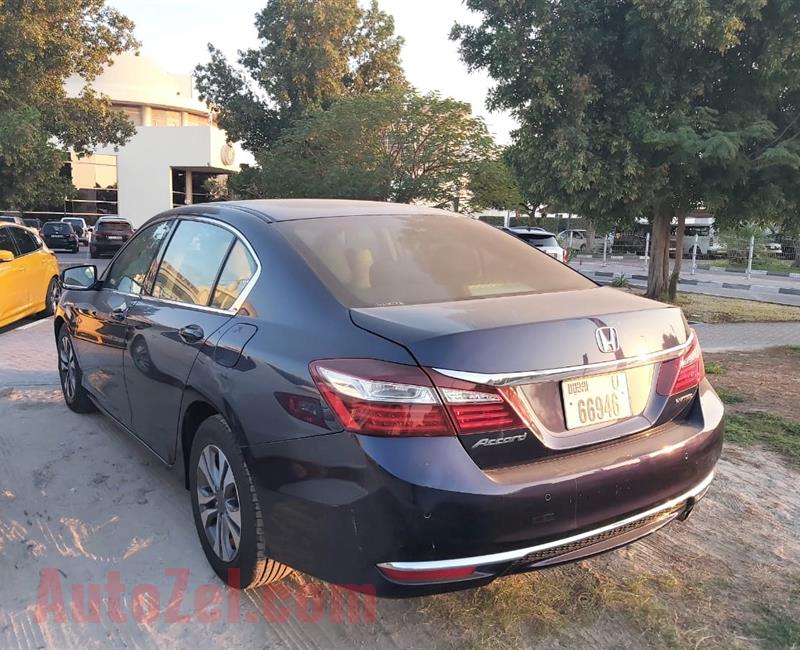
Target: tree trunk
x=658 y=271
x=676 y=269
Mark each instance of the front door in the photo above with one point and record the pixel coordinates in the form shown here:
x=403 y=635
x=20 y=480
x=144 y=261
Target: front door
x=13 y=292
x=169 y=328
x=101 y=328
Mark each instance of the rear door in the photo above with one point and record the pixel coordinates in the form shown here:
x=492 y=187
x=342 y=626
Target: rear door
x=170 y=325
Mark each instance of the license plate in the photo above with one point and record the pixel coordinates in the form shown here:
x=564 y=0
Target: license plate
x=594 y=400
x=114 y=237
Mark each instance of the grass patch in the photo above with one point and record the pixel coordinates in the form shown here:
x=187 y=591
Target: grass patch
x=773 y=431
x=729 y=396
x=713 y=309
x=510 y=610
x=714 y=368
x=759 y=264
x=777 y=628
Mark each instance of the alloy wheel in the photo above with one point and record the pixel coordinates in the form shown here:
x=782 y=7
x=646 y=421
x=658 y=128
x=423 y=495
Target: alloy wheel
x=54 y=295
x=218 y=502
x=68 y=368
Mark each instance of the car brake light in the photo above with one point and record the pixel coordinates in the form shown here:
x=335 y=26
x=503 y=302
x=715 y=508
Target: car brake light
x=475 y=408
x=681 y=374
x=380 y=398
x=427 y=575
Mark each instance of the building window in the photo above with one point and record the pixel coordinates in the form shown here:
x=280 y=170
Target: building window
x=134 y=113
x=196 y=120
x=163 y=117
x=95 y=179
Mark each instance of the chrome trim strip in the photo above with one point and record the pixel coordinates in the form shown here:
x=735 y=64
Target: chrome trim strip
x=533 y=376
x=509 y=556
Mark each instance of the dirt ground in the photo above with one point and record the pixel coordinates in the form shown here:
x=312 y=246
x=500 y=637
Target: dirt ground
x=769 y=380
x=80 y=500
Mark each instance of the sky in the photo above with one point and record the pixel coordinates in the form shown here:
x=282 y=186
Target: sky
x=174 y=33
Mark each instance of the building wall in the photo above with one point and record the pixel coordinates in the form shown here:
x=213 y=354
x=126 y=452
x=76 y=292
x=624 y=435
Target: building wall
x=173 y=130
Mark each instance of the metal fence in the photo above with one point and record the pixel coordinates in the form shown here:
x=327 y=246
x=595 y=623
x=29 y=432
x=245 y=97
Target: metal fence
x=747 y=254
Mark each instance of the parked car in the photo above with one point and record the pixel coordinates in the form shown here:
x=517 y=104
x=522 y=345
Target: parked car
x=8 y=218
x=542 y=239
x=59 y=235
x=580 y=240
x=388 y=396
x=28 y=275
x=110 y=233
x=33 y=223
x=80 y=227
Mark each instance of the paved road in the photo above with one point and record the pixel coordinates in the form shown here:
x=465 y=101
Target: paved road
x=766 y=288
x=725 y=337
x=81 y=257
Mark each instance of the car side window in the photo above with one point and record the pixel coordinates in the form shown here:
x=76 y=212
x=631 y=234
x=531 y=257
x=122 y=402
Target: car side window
x=26 y=242
x=6 y=243
x=239 y=269
x=192 y=262
x=129 y=270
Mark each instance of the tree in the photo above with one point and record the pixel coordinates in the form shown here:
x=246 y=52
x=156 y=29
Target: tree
x=42 y=42
x=312 y=52
x=492 y=185
x=395 y=145
x=646 y=107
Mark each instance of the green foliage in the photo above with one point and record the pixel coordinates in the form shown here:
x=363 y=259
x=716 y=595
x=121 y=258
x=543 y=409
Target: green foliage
x=714 y=368
x=492 y=185
x=620 y=281
x=646 y=107
x=773 y=431
x=42 y=42
x=387 y=146
x=729 y=396
x=310 y=54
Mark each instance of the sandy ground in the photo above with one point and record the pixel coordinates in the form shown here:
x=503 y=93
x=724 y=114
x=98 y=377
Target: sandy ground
x=80 y=500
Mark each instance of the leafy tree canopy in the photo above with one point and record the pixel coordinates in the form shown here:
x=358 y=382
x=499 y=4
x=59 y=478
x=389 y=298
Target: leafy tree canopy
x=311 y=53
x=647 y=107
x=42 y=42
x=394 y=145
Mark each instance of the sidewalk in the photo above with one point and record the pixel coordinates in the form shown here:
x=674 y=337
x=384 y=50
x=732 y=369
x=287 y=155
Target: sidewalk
x=725 y=337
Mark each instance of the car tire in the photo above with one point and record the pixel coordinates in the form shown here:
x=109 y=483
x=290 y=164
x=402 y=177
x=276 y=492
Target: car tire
x=52 y=297
x=69 y=372
x=227 y=480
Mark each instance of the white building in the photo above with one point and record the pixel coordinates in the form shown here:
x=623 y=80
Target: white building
x=176 y=149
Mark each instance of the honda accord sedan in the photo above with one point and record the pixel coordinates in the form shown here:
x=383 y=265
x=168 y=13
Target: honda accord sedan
x=388 y=397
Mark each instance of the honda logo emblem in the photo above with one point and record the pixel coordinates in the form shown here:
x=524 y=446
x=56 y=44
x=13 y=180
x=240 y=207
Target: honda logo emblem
x=607 y=339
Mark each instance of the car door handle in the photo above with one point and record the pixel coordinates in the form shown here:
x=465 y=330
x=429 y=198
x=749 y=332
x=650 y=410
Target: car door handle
x=191 y=334
x=120 y=313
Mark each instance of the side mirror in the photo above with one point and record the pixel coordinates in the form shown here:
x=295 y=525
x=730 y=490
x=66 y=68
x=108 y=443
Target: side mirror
x=6 y=256
x=79 y=277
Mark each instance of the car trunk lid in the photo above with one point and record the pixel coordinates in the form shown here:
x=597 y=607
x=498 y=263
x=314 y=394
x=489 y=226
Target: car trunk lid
x=539 y=343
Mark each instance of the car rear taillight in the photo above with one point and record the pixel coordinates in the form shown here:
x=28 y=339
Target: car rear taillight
x=683 y=373
x=475 y=408
x=379 y=398
x=565 y=256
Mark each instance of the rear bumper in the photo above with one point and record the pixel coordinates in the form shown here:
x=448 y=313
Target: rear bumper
x=107 y=247
x=341 y=506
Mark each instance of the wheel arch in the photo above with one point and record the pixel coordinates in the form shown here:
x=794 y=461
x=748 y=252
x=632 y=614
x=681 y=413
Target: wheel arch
x=197 y=412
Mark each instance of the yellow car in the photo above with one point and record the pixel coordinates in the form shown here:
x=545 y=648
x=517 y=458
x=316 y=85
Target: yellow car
x=28 y=274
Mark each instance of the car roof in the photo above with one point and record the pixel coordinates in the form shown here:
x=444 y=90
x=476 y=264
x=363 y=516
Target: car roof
x=293 y=209
x=534 y=231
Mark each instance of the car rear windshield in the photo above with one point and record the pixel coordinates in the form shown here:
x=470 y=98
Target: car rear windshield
x=113 y=226
x=537 y=239
x=57 y=229
x=369 y=261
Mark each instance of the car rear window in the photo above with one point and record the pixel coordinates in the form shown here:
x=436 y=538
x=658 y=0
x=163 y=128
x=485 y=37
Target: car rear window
x=369 y=261
x=57 y=228
x=537 y=239
x=113 y=226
